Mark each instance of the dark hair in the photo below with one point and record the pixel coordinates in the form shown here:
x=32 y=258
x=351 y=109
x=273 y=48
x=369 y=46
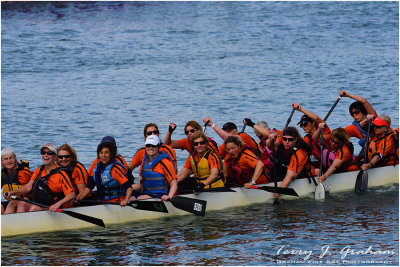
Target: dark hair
x=358 y=105
x=234 y=139
x=194 y=125
x=111 y=146
x=147 y=126
x=200 y=134
x=341 y=135
x=70 y=150
x=292 y=131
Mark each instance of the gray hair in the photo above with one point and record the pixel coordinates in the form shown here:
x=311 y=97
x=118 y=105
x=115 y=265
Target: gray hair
x=7 y=151
x=263 y=124
x=386 y=118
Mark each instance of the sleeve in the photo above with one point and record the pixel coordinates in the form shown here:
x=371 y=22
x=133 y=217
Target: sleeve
x=24 y=176
x=184 y=144
x=352 y=131
x=66 y=184
x=138 y=157
x=168 y=169
x=35 y=174
x=119 y=175
x=169 y=150
x=91 y=169
x=187 y=164
x=297 y=163
x=248 y=140
x=249 y=159
x=222 y=150
x=214 y=161
x=80 y=174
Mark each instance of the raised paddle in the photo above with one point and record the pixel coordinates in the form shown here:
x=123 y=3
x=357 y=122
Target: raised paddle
x=290 y=118
x=205 y=125
x=320 y=189
x=76 y=215
x=195 y=206
x=362 y=176
x=244 y=127
x=157 y=206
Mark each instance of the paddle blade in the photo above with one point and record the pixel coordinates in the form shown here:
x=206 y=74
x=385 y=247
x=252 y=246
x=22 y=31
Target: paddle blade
x=157 y=206
x=362 y=181
x=279 y=190
x=84 y=217
x=320 y=191
x=195 y=206
x=216 y=189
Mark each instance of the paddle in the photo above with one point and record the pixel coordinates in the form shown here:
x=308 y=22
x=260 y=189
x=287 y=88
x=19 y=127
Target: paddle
x=244 y=127
x=290 y=118
x=76 y=215
x=205 y=125
x=362 y=176
x=216 y=189
x=195 y=206
x=157 y=206
x=320 y=189
x=279 y=190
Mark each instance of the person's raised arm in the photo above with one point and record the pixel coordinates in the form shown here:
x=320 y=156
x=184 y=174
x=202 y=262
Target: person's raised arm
x=310 y=114
x=218 y=130
x=168 y=140
x=366 y=104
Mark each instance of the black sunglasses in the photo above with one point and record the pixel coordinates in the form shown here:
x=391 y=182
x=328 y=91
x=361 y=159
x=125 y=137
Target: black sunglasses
x=63 y=156
x=356 y=112
x=288 y=139
x=150 y=145
x=152 y=132
x=50 y=153
x=190 y=131
x=304 y=123
x=199 y=143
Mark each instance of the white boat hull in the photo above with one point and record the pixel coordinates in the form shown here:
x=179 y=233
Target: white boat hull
x=46 y=221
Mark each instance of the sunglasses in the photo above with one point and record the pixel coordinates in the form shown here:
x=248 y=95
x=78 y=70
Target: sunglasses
x=190 y=131
x=302 y=124
x=152 y=132
x=199 y=143
x=150 y=145
x=50 y=153
x=291 y=139
x=260 y=136
x=355 y=112
x=64 y=156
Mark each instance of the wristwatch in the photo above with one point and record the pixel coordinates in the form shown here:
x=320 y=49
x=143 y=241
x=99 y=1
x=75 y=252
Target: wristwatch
x=252 y=181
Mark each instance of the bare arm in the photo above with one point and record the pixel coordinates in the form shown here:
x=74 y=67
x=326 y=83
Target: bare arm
x=218 y=130
x=257 y=172
x=367 y=105
x=290 y=176
x=335 y=165
x=183 y=174
x=310 y=114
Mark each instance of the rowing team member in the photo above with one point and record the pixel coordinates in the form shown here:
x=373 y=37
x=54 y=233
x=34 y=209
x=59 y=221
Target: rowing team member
x=242 y=159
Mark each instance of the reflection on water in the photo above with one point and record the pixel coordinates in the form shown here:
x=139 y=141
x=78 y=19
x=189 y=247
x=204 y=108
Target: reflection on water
x=236 y=236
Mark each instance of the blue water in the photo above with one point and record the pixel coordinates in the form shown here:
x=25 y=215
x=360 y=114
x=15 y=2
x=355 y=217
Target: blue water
x=77 y=71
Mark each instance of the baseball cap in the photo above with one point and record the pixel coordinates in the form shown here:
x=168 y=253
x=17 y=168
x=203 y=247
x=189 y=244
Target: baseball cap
x=380 y=122
x=109 y=139
x=304 y=119
x=153 y=140
x=52 y=147
x=229 y=126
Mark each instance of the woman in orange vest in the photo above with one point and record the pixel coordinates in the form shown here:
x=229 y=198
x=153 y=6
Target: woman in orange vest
x=344 y=153
x=204 y=163
x=50 y=184
x=382 y=150
x=66 y=156
x=14 y=174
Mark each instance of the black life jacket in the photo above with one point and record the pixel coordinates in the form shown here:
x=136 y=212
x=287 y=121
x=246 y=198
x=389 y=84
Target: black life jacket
x=41 y=191
x=283 y=161
x=13 y=178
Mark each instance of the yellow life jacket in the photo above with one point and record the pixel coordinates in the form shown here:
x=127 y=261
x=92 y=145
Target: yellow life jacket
x=202 y=170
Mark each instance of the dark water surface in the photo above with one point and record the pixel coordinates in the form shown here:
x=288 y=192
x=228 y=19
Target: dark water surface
x=77 y=71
